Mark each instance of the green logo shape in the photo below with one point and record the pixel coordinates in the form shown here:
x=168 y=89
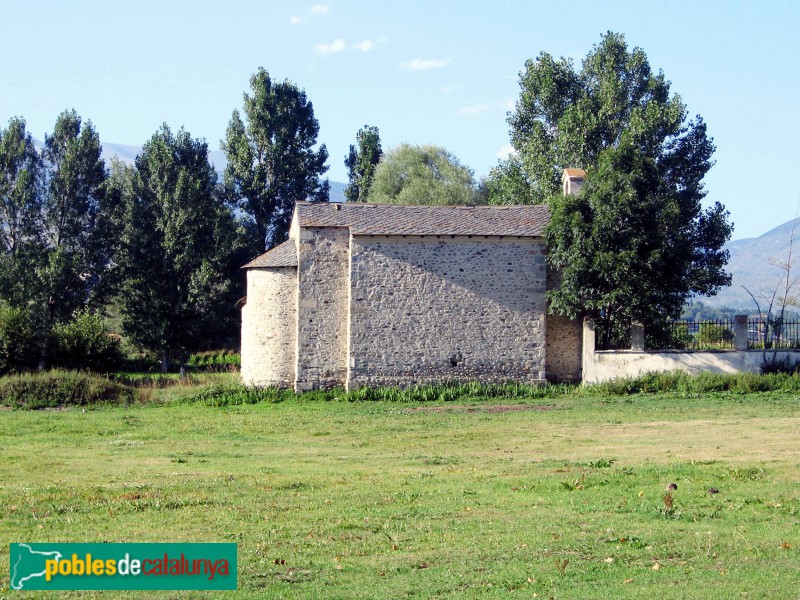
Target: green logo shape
x=135 y=566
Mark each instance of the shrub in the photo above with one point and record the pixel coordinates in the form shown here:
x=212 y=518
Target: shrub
x=711 y=334
x=702 y=383
x=85 y=343
x=19 y=345
x=773 y=365
x=215 y=361
x=62 y=388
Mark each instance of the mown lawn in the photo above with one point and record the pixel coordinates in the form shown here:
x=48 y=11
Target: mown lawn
x=553 y=498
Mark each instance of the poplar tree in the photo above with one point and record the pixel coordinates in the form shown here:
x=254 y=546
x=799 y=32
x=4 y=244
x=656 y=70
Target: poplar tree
x=178 y=233
x=272 y=160
x=637 y=241
x=361 y=162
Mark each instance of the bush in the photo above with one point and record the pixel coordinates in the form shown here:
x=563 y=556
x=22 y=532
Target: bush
x=19 y=345
x=711 y=334
x=62 y=388
x=702 y=383
x=85 y=343
x=215 y=361
x=773 y=365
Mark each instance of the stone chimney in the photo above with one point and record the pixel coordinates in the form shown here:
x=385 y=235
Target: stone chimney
x=572 y=181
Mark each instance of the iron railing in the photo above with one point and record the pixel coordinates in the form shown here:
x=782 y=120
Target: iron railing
x=704 y=335
x=773 y=334
x=697 y=335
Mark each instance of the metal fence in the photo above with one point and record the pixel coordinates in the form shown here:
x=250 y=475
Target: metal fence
x=704 y=335
x=775 y=334
x=696 y=335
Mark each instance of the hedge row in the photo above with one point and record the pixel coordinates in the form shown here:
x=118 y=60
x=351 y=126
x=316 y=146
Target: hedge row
x=62 y=388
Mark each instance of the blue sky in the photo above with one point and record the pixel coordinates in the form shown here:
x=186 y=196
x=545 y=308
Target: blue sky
x=423 y=72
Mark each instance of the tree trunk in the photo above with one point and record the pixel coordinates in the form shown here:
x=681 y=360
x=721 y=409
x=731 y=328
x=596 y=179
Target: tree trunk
x=165 y=361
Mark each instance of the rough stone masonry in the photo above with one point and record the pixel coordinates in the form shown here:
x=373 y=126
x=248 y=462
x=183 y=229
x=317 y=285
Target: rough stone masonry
x=368 y=295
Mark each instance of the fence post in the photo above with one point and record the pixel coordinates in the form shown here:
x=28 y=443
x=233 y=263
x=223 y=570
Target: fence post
x=637 y=336
x=589 y=336
x=740 y=332
x=587 y=352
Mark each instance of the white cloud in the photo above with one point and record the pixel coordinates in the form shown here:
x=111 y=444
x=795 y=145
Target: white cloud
x=334 y=47
x=472 y=110
x=421 y=64
x=506 y=151
x=365 y=46
x=317 y=10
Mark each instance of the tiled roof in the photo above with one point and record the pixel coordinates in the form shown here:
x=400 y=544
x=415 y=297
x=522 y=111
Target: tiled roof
x=282 y=255
x=390 y=219
x=574 y=173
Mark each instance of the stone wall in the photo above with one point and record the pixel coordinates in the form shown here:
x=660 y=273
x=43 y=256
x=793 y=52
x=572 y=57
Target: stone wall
x=322 y=307
x=268 y=327
x=563 y=349
x=564 y=342
x=424 y=309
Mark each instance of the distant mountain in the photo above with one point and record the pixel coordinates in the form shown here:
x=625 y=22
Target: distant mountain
x=337 y=191
x=753 y=264
x=128 y=154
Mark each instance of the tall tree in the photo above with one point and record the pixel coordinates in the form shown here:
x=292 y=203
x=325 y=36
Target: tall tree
x=508 y=184
x=565 y=118
x=58 y=237
x=177 y=236
x=78 y=233
x=641 y=205
x=272 y=162
x=361 y=161
x=20 y=212
x=422 y=175
x=629 y=249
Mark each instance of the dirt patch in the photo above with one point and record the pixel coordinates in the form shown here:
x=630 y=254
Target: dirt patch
x=489 y=408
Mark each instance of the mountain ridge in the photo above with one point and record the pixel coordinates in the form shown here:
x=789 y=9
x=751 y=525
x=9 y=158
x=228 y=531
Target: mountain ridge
x=755 y=264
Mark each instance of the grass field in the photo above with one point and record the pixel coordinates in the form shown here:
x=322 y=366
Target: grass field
x=549 y=498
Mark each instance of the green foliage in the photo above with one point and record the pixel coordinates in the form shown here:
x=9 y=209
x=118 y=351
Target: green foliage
x=81 y=343
x=566 y=118
x=703 y=383
x=85 y=343
x=627 y=249
x=710 y=334
x=19 y=345
x=361 y=162
x=79 y=229
x=228 y=395
x=271 y=158
x=508 y=184
x=215 y=360
x=695 y=310
x=636 y=242
x=58 y=224
x=422 y=175
x=20 y=212
x=780 y=366
x=177 y=238
x=61 y=388
x=234 y=395
x=679 y=338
